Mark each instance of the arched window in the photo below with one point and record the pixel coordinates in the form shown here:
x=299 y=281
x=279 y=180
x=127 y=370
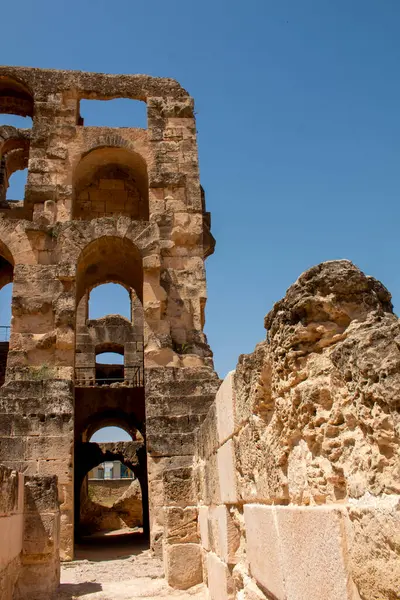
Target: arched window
x=16 y=186
x=111 y=434
x=110 y=259
x=111 y=494
x=111 y=181
x=109 y=299
x=14 y=158
x=109 y=368
x=16 y=103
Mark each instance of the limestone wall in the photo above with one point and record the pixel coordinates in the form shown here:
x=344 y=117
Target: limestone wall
x=111 y=505
x=107 y=491
x=11 y=529
x=297 y=464
x=29 y=533
x=102 y=205
x=36 y=437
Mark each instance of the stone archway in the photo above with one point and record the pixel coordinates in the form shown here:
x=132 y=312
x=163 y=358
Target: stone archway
x=91 y=454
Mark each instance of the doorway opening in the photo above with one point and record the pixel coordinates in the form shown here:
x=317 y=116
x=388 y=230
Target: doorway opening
x=112 y=511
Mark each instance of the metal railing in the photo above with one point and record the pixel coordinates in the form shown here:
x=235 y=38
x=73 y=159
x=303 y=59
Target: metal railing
x=5 y=333
x=86 y=377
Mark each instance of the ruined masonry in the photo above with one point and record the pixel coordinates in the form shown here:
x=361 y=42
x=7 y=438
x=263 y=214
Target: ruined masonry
x=102 y=205
x=284 y=481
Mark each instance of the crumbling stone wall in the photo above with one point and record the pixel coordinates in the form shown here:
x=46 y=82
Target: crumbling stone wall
x=111 y=505
x=107 y=491
x=297 y=463
x=102 y=205
x=29 y=533
x=37 y=437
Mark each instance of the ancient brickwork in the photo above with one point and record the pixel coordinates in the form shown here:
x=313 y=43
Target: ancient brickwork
x=29 y=531
x=37 y=437
x=297 y=464
x=102 y=205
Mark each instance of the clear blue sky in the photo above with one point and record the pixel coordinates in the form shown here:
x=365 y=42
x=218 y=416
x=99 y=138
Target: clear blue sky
x=298 y=114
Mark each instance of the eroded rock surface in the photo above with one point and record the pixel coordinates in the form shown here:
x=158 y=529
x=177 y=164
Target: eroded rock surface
x=323 y=390
x=322 y=397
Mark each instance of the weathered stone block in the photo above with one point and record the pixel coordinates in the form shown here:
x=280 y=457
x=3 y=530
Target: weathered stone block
x=373 y=542
x=12 y=448
x=220 y=581
x=207 y=434
x=263 y=549
x=212 y=486
x=41 y=494
x=180 y=525
x=173 y=444
x=227 y=473
x=259 y=476
x=38 y=580
x=225 y=408
x=275 y=535
x=41 y=533
x=203 y=527
x=183 y=566
x=321 y=568
x=54 y=447
x=224 y=534
x=178 y=487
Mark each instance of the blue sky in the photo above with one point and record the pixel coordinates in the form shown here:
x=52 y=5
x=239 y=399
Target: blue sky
x=298 y=114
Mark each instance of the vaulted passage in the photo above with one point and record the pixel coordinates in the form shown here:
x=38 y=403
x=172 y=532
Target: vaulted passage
x=111 y=502
x=109 y=392
x=110 y=466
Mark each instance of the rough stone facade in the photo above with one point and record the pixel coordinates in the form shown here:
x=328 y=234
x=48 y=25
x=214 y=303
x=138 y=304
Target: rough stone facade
x=29 y=533
x=102 y=205
x=111 y=505
x=297 y=462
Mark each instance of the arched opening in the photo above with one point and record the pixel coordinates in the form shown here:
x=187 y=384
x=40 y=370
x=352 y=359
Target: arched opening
x=109 y=350
x=111 y=433
x=113 y=501
x=110 y=366
x=110 y=260
x=111 y=181
x=15 y=99
x=109 y=299
x=16 y=186
x=6 y=279
x=14 y=158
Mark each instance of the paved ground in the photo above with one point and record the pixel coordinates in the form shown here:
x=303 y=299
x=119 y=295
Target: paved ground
x=118 y=568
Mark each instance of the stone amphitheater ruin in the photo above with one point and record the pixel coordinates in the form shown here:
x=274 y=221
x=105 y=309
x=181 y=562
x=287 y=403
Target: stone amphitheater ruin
x=282 y=481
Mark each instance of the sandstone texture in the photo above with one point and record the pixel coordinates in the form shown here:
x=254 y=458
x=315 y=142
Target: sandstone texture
x=29 y=533
x=301 y=450
x=104 y=205
x=123 y=510
x=321 y=392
